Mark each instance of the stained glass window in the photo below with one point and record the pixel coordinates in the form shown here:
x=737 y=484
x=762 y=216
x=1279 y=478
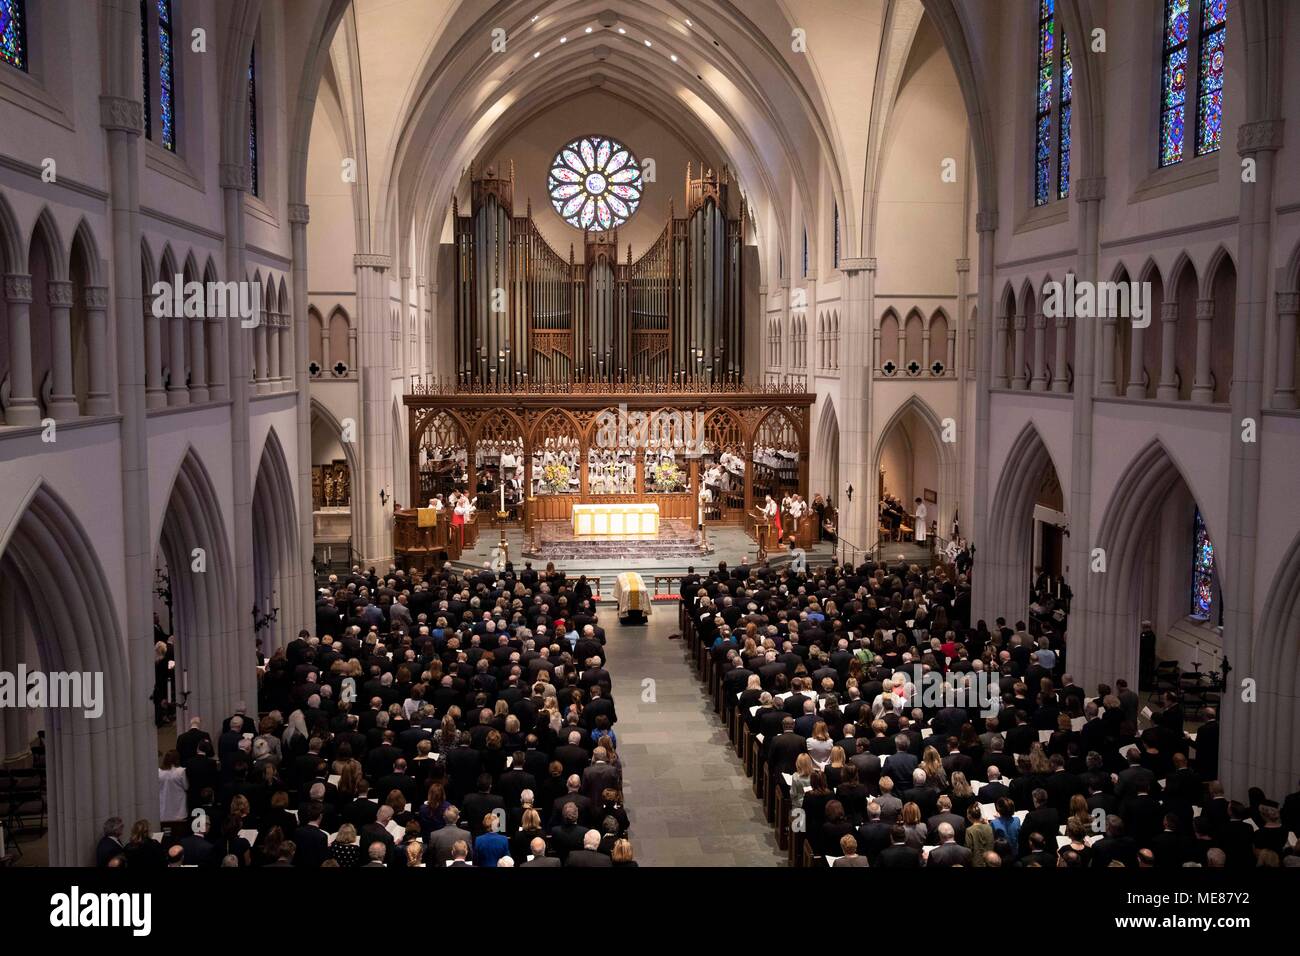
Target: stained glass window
x=1209 y=93
x=835 y=225
x=1043 y=117
x=1063 y=135
x=595 y=183
x=1209 y=43
x=13 y=33
x=1202 y=568
x=254 y=180
x=146 y=72
x=166 y=76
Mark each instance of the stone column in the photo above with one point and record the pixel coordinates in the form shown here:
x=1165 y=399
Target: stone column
x=155 y=395
x=375 y=373
x=238 y=683
x=1018 y=373
x=274 y=333
x=1136 y=356
x=300 y=379
x=198 y=360
x=1257 y=738
x=1168 y=388
x=1000 y=376
x=98 y=399
x=1203 y=387
x=1039 y=382
x=133 y=790
x=22 y=408
x=986 y=225
x=287 y=335
x=422 y=366
x=178 y=390
x=1106 y=384
x=855 y=393
x=951 y=360
x=1288 y=305
x=1061 y=377
x=63 y=400
x=262 y=361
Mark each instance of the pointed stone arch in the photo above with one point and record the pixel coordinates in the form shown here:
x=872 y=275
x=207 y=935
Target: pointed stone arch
x=1006 y=559
x=933 y=428
x=210 y=642
x=826 y=452
x=46 y=551
x=1269 y=755
x=1125 y=539
x=324 y=422
x=277 y=578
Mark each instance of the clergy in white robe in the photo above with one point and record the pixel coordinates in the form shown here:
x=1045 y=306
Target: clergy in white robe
x=922 y=521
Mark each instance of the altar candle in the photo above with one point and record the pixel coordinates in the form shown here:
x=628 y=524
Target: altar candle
x=503 y=496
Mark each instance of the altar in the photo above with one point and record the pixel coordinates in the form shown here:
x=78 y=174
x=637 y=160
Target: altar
x=616 y=518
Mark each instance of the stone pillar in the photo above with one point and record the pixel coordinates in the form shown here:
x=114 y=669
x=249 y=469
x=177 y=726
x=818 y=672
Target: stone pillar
x=134 y=792
x=155 y=395
x=1203 y=387
x=22 y=408
x=855 y=393
x=274 y=333
x=1000 y=375
x=1168 y=388
x=198 y=360
x=422 y=366
x=1018 y=373
x=1136 y=354
x=1039 y=382
x=178 y=390
x=238 y=683
x=98 y=399
x=375 y=373
x=300 y=379
x=1288 y=306
x=262 y=360
x=1257 y=743
x=1061 y=377
x=951 y=360
x=986 y=225
x=287 y=335
x=63 y=400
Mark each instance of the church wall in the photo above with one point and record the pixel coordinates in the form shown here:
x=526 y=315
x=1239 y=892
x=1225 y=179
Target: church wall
x=1278 y=504
x=1050 y=416
x=533 y=145
x=207 y=431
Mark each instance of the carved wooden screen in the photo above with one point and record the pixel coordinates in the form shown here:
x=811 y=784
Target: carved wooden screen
x=442 y=457
x=776 y=457
x=556 y=449
x=722 y=462
x=498 y=454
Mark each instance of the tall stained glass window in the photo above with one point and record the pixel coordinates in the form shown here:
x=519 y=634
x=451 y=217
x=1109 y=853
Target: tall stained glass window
x=1209 y=92
x=166 y=76
x=254 y=179
x=595 y=183
x=1202 y=568
x=1063 y=135
x=1043 y=116
x=1207 y=34
x=13 y=33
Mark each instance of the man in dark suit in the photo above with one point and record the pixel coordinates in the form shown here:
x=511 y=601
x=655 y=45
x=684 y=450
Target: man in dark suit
x=311 y=841
x=1207 y=746
x=1042 y=819
x=537 y=850
x=898 y=854
x=899 y=765
x=948 y=852
x=1115 y=845
x=785 y=749
x=589 y=855
x=570 y=834
x=187 y=744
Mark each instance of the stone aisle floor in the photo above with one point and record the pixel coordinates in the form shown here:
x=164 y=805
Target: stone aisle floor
x=687 y=796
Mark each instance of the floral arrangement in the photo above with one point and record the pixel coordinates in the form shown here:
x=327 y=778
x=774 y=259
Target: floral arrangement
x=556 y=477
x=666 y=476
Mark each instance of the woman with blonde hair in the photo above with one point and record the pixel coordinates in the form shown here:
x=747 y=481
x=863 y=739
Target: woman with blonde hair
x=415 y=854
x=346 y=849
x=820 y=744
x=621 y=854
x=835 y=768
x=801 y=779
x=934 y=773
x=962 y=795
